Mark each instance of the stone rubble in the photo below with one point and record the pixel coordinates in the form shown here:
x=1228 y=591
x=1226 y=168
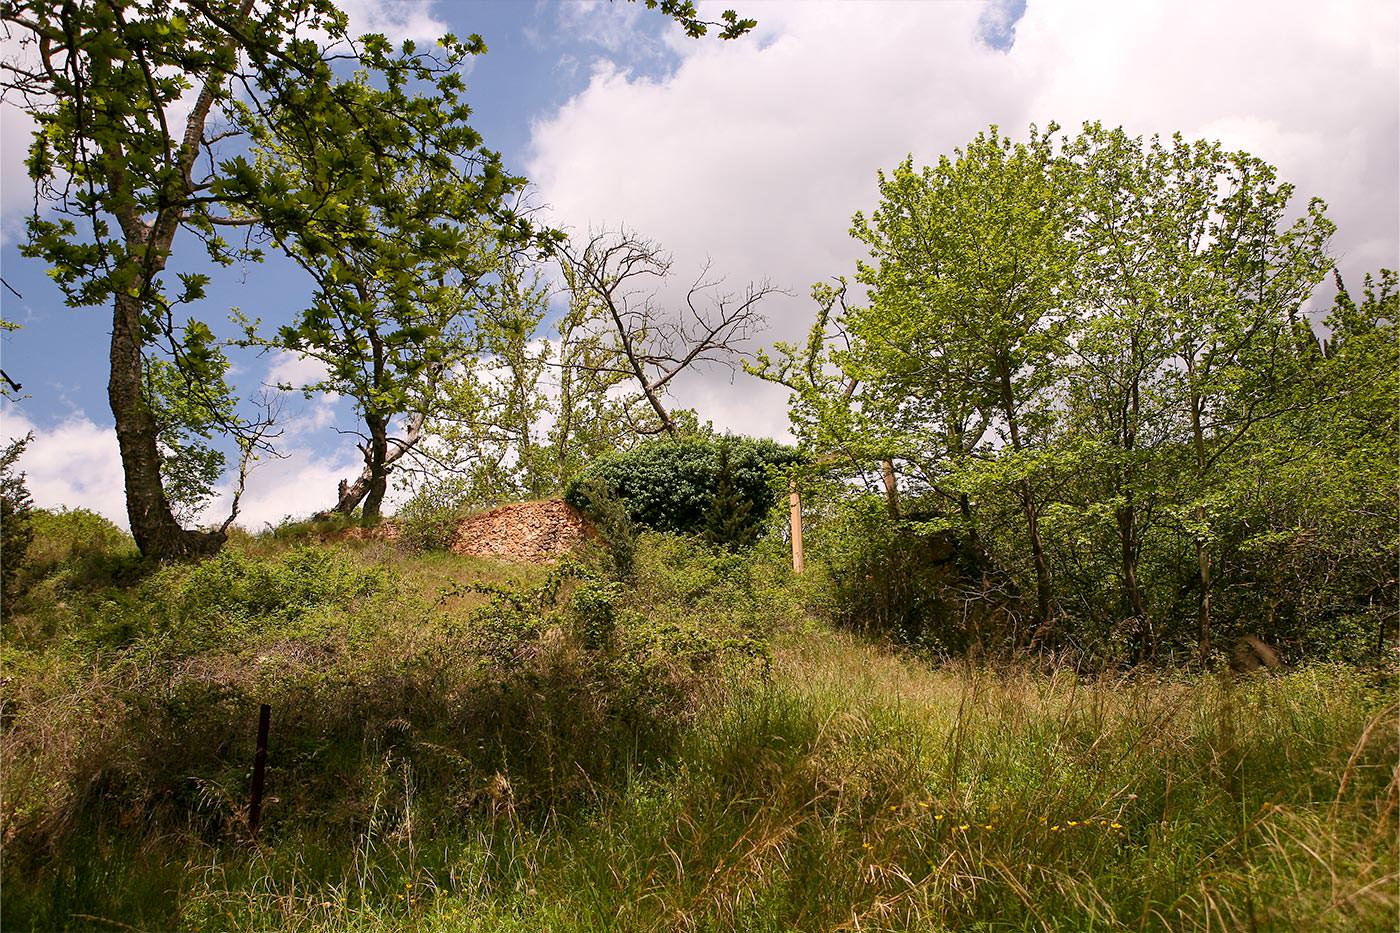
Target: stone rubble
x=529 y=532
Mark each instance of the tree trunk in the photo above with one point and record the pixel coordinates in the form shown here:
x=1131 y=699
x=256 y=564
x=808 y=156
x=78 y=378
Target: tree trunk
x=373 y=477
x=154 y=527
x=1203 y=561
x=1126 y=516
x=376 y=468
x=891 y=487
x=1133 y=605
x=1042 y=567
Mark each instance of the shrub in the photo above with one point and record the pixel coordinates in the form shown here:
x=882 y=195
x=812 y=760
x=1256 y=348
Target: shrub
x=890 y=578
x=428 y=521
x=16 y=527
x=684 y=485
x=82 y=547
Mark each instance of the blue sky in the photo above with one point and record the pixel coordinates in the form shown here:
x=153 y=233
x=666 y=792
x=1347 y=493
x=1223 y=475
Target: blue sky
x=754 y=154
x=535 y=62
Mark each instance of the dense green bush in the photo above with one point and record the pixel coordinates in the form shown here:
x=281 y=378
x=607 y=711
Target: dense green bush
x=77 y=548
x=428 y=521
x=16 y=527
x=908 y=581
x=722 y=487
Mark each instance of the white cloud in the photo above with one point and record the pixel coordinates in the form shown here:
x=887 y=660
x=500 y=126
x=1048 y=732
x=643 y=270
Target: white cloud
x=756 y=152
x=74 y=463
x=396 y=19
x=294 y=369
x=297 y=485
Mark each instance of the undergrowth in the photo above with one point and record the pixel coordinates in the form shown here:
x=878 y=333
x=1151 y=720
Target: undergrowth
x=460 y=745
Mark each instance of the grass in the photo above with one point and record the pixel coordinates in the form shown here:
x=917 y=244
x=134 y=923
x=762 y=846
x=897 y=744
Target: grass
x=636 y=759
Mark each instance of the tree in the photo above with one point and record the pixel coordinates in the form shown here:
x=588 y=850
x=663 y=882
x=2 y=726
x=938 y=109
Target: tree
x=1191 y=283
x=530 y=409
x=623 y=273
x=1304 y=514
x=399 y=215
x=721 y=487
x=963 y=336
x=1087 y=354
x=119 y=149
x=16 y=524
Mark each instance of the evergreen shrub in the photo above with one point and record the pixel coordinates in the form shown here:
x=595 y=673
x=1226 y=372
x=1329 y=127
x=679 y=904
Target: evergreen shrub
x=720 y=487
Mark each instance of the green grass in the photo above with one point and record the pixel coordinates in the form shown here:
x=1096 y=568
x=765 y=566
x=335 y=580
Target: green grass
x=635 y=758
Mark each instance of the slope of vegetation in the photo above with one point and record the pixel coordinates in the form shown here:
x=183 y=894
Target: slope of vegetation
x=461 y=745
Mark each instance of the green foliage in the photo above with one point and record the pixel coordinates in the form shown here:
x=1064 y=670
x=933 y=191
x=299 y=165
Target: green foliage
x=898 y=580
x=673 y=485
x=190 y=406
x=849 y=784
x=16 y=521
x=79 y=547
x=428 y=520
x=489 y=426
x=729 y=521
x=397 y=696
x=613 y=519
x=292 y=530
x=118 y=160
x=1082 y=358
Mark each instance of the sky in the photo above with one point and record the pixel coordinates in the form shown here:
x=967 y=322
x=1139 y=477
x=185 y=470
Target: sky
x=753 y=155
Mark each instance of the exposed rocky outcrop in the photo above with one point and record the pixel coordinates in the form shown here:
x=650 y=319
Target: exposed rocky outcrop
x=532 y=532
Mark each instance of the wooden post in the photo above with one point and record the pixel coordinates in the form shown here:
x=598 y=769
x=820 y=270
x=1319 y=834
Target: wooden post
x=795 y=514
x=259 y=769
x=891 y=487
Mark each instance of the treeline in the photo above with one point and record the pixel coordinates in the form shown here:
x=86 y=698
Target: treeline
x=1116 y=418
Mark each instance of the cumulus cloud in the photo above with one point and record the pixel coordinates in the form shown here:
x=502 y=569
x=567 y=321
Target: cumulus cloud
x=296 y=485
x=73 y=463
x=756 y=153
x=396 y=19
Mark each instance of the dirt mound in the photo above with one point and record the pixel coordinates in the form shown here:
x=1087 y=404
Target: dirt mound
x=533 y=532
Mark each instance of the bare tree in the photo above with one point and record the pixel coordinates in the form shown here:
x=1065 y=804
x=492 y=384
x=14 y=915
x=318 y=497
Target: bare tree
x=624 y=274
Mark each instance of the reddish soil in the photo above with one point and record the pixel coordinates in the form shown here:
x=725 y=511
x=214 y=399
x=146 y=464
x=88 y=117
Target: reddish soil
x=529 y=532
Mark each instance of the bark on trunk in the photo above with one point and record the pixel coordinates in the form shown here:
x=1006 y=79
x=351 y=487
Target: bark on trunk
x=153 y=525
x=1127 y=536
x=1045 y=621
x=376 y=463
x=891 y=487
x=351 y=494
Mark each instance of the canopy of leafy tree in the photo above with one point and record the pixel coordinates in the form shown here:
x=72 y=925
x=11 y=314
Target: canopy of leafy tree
x=1089 y=362
x=722 y=487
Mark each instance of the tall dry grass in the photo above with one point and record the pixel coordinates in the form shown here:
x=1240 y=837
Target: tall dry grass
x=856 y=790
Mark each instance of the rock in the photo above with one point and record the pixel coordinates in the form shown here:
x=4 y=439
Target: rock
x=530 y=532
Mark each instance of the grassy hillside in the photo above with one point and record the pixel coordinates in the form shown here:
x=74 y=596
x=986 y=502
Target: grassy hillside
x=461 y=745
